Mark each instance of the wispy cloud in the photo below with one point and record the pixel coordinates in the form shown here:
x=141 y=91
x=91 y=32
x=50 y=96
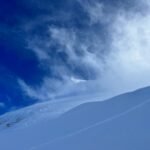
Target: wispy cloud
x=95 y=11
x=129 y=59
x=111 y=54
x=2 y=105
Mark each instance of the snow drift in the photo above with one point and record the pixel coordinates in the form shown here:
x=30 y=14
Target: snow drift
x=121 y=122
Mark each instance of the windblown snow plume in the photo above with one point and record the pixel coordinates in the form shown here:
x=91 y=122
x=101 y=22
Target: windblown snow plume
x=108 y=47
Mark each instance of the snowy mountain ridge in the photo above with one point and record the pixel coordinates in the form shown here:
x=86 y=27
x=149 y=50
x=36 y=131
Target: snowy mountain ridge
x=44 y=110
x=121 y=122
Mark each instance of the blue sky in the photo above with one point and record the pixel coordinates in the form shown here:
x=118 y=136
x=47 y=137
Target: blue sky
x=52 y=48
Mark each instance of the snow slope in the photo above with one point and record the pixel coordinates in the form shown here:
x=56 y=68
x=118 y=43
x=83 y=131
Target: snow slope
x=45 y=110
x=120 y=123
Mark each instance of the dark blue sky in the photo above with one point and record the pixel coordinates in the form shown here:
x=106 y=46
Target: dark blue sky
x=24 y=20
x=16 y=61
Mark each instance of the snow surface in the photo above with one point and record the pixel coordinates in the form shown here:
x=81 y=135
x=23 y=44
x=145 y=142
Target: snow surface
x=45 y=110
x=120 y=123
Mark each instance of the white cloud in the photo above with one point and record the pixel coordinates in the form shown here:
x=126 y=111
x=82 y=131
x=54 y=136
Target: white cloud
x=124 y=66
x=129 y=60
x=95 y=11
x=77 y=80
